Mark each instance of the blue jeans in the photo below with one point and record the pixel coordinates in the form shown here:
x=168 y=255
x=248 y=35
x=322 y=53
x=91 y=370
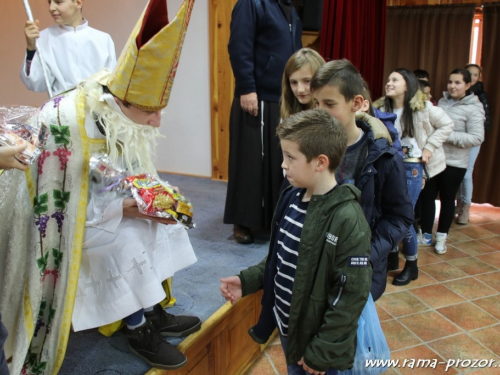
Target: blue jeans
x=295 y=369
x=4 y=370
x=414 y=175
x=465 y=190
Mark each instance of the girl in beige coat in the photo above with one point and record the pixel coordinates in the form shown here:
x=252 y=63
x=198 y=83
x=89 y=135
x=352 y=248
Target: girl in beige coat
x=422 y=129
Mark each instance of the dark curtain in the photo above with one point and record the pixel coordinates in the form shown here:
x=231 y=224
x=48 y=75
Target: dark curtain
x=434 y=38
x=486 y=171
x=354 y=29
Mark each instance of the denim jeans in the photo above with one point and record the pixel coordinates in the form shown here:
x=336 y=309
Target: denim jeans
x=4 y=370
x=295 y=369
x=414 y=175
x=465 y=191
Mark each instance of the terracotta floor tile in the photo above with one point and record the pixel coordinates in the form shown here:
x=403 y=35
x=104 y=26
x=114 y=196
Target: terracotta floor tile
x=479 y=219
x=467 y=316
x=452 y=253
x=397 y=336
x=474 y=247
x=401 y=303
x=491 y=212
x=476 y=232
x=382 y=314
x=419 y=352
x=492 y=259
x=493 y=242
x=261 y=366
x=486 y=371
x=425 y=257
x=461 y=347
x=472 y=266
x=489 y=337
x=443 y=271
x=423 y=280
x=470 y=288
x=392 y=371
x=277 y=357
x=492 y=227
x=429 y=326
x=437 y=296
x=455 y=235
x=389 y=287
x=490 y=304
x=491 y=279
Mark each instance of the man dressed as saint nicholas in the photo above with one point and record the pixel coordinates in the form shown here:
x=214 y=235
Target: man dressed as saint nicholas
x=78 y=255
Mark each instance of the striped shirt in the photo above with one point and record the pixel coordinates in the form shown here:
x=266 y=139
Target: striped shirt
x=288 y=240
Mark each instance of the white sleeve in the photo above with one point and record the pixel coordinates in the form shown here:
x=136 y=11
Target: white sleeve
x=32 y=75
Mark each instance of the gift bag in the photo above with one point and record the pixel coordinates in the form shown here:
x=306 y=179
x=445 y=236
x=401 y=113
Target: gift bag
x=371 y=344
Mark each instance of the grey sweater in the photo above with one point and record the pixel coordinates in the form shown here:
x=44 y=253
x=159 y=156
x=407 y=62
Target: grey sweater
x=468 y=117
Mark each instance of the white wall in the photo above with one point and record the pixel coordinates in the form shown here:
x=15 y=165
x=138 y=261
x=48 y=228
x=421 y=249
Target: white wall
x=186 y=120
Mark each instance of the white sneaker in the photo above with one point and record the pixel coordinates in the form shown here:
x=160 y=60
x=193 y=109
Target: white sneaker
x=424 y=239
x=440 y=246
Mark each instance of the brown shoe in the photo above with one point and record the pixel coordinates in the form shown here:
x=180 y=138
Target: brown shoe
x=242 y=234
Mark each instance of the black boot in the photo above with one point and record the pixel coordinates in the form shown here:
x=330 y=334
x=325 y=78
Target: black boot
x=147 y=343
x=409 y=273
x=393 y=261
x=171 y=325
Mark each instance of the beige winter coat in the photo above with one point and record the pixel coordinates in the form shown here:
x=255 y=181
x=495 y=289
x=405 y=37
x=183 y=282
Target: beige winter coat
x=468 y=116
x=432 y=128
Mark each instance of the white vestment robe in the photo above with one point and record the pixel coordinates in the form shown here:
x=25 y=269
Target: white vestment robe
x=70 y=55
x=124 y=260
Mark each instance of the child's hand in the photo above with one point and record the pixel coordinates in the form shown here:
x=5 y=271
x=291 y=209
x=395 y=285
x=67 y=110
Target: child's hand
x=8 y=157
x=308 y=369
x=31 y=32
x=230 y=289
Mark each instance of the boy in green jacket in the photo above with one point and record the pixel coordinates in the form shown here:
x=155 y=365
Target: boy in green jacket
x=317 y=275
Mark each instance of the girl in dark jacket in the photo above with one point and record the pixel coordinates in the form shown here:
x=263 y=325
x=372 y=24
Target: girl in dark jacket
x=465 y=191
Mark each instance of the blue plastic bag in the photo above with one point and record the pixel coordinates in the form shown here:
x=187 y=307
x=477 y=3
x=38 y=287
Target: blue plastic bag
x=371 y=344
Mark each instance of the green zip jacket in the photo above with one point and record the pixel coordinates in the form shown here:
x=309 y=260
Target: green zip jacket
x=332 y=281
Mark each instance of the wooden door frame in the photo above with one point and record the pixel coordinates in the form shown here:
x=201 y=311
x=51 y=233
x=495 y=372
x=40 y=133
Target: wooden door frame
x=221 y=85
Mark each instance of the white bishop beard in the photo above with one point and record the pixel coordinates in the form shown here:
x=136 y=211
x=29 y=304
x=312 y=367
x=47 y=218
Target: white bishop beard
x=127 y=142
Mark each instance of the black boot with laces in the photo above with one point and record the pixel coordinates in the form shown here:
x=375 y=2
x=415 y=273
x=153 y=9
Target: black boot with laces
x=147 y=343
x=172 y=325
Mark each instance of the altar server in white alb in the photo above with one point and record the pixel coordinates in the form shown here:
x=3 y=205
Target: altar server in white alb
x=72 y=50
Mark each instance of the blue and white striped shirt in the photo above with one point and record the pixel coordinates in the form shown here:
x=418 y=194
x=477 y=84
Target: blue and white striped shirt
x=288 y=241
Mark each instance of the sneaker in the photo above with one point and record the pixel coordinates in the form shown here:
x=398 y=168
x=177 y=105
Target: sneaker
x=146 y=343
x=424 y=239
x=440 y=246
x=171 y=325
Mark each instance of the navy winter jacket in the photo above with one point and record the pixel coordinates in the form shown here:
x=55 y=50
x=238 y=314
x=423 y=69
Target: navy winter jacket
x=389 y=119
x=385 y=203
x=260 y=44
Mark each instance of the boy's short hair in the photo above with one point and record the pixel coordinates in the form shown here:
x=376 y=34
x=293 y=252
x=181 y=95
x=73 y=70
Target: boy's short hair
x=423 y=84
x=316 y=132
x=422 y=74
x=341 y=74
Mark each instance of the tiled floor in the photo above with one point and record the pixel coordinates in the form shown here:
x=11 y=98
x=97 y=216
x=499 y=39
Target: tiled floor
x=451 y=312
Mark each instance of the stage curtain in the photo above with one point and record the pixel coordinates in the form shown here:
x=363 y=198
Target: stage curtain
x=486 y=172
x=355 y=29
x=434 y=38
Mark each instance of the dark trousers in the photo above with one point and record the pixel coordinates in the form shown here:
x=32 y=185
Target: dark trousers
x=446 y=184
